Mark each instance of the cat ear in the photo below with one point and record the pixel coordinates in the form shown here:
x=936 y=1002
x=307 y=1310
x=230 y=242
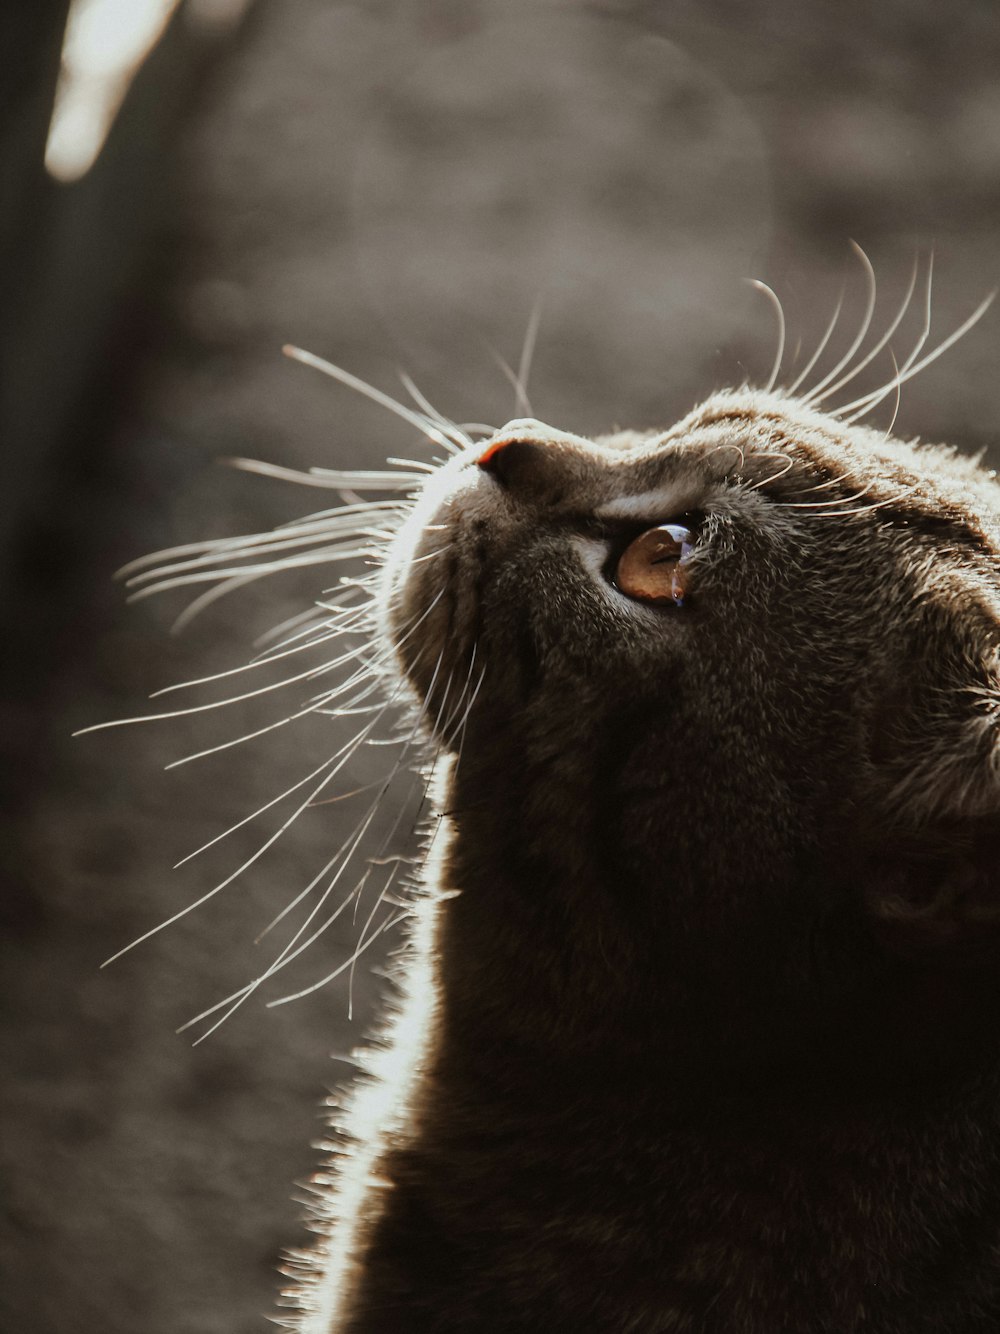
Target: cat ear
x=932 y=876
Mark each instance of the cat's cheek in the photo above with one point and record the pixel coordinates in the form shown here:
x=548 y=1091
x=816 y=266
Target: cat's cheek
x=413 y=582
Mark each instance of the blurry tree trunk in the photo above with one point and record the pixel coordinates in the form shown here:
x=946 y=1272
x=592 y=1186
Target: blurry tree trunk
x=72 y=255
x=31 y=35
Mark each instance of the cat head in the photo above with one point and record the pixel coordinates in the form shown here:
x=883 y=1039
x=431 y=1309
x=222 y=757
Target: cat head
x=757 y=642
x=702 y=689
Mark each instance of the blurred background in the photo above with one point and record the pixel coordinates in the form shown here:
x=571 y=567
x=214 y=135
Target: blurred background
x=391 y=184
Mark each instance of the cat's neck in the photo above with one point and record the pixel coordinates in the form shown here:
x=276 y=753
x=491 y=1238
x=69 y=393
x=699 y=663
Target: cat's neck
x=547 y=967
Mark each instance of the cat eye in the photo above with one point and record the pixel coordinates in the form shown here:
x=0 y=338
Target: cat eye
x=653 y=567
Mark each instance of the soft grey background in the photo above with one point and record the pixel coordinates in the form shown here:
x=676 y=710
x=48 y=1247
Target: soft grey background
x=390 y=185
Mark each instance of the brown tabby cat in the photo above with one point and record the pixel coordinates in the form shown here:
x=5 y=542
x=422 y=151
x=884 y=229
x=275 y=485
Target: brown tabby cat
x=700 y=1027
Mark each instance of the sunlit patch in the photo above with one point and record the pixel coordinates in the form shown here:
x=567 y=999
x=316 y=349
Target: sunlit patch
x=104 y=47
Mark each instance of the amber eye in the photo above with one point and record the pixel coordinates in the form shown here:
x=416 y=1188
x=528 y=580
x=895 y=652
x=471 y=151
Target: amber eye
x=653 y=568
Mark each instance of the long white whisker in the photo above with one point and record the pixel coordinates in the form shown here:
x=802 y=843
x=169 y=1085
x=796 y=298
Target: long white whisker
x=825 y=486
x=226 y=586
x=247 y=736
x=521 y=406
x=445 y=726
x=343 y=755
x=425 y=468
x=803 y=374
x=176 y=917
x=292 y=949
x=403 y=805
x=449 y=427
x=312 y=621
x=222 y=544
x=197 y=605
x=780 y=314
x=316 y=986
x=868 y=509
x=827 y=504
x=859 y=337
x=230 y=585
x=309 y=674
x=528 y=354
x=873 y=352
x=346 y=549
x=331 y=479
x=921 y=365
x=359 y=507
x=422 y=423
x=359 y=949
x=478 y=428
x=383 y=785
x=776 y=476
x=349 y=522
x=319 y=629
x=333 y=631
x=308 y=620
x=917 y=347
x=899 y=394
x=236 y=998
x=201 y=566
x=245 y=991
x=460 y=729
x=287 y=953
x=319 y=704
x=349 y=708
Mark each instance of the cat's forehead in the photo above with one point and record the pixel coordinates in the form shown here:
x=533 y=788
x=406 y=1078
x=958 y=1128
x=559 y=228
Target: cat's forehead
x=756 y=441
x=726 y=437
x=612 y=476
x=630 y=474
x=619 y=451
x=750 y=420
x=535 y=432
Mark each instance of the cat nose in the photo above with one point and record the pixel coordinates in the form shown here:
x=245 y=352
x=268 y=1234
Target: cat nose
x=508 y=458
x=517 y=454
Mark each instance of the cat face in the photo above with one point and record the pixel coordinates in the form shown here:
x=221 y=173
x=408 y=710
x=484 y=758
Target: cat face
x=749 y=640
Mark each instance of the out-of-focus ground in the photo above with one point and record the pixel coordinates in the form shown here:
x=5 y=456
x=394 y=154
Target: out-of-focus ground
x=387 y=184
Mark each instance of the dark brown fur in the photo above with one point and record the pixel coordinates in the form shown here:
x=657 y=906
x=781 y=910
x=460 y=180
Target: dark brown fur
x=712 y=927
x=704 y=968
